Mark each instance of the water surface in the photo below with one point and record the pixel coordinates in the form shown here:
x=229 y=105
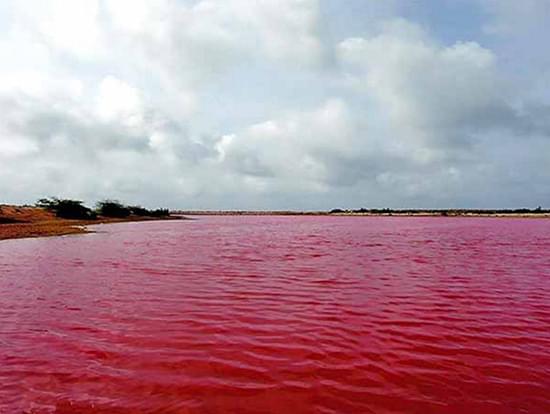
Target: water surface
x=279 y=315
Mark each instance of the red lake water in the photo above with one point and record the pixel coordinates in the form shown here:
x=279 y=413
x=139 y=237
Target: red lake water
x=279 y=315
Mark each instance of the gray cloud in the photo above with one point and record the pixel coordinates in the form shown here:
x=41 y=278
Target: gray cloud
x=107 y=99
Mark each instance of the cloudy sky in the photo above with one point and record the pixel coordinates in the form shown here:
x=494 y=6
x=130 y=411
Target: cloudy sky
x=273 y=104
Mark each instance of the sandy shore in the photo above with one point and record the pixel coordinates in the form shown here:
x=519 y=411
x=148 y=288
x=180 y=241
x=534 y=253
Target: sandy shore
x=23 y=222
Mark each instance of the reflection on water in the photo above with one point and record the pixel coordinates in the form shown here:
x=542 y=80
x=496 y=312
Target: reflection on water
x=279 y=315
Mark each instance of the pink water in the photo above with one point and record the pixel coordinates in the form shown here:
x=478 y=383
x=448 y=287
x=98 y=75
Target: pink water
x=279 y=315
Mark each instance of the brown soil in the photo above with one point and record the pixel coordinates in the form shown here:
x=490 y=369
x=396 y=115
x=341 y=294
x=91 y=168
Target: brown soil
x=18 y=222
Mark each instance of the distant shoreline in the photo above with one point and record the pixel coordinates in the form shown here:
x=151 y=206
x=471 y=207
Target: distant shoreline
x=17 y=222
x=393 y=213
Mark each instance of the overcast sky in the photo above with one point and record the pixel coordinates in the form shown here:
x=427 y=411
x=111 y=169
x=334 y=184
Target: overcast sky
x=275 y=104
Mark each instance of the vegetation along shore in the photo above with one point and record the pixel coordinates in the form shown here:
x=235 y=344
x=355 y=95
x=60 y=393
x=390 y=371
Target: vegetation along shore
x=58 y=217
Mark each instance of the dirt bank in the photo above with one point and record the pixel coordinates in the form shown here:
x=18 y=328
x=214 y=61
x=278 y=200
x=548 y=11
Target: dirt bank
x=18 y=222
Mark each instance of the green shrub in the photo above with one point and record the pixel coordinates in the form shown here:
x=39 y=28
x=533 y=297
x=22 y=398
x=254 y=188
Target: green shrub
x=138 y=211
x=68 y=209
x=159 y=212
x=112 y=208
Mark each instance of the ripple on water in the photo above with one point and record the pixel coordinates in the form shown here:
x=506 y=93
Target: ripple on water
x=279 y=314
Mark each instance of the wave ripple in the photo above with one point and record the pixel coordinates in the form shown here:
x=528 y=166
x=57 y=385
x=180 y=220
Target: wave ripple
x=279 y=314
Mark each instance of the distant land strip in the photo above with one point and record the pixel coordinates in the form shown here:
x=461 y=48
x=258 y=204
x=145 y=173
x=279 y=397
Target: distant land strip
x=56 y=217
x=521 y=212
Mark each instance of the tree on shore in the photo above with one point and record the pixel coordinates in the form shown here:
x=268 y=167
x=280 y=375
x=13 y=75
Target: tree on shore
x=143 y=212
x=68 y=209
x=75 y=209
x=112 y=208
